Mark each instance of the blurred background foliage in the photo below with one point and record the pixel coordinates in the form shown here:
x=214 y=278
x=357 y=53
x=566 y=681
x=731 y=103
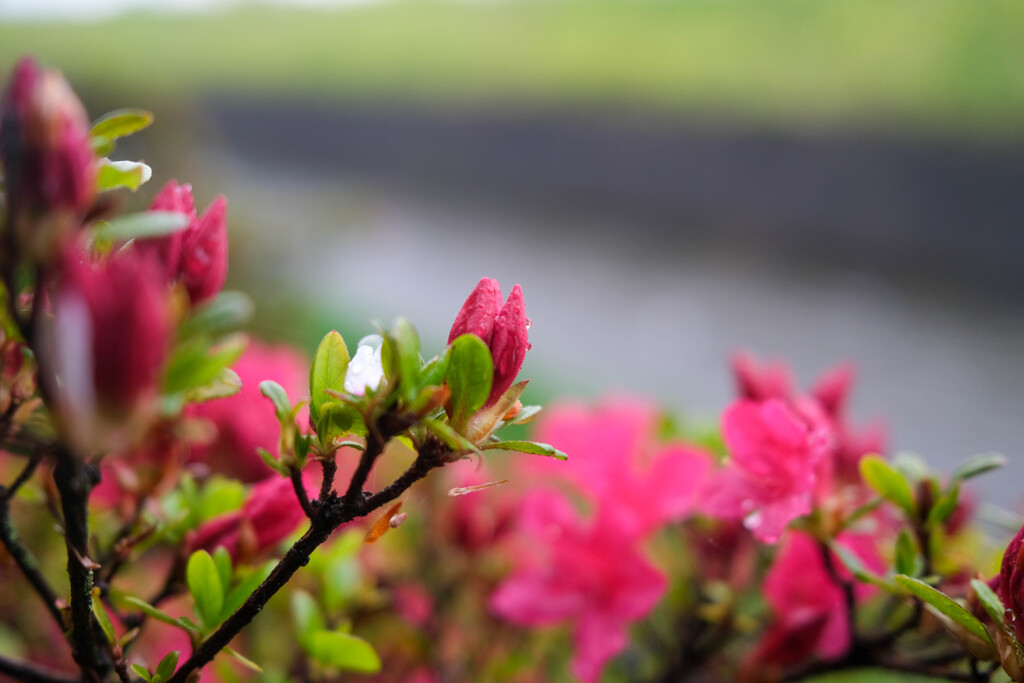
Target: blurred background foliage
x=670 y=180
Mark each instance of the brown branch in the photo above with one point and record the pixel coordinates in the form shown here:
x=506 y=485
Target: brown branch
x=25 y=560
x=33 y=673
x=331 y=513
x=300 y=491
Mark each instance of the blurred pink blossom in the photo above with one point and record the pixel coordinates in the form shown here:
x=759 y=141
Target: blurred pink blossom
x=591 y=574
x=772 y=471
x=616 y=459
x=810 y=612
x=247 y=420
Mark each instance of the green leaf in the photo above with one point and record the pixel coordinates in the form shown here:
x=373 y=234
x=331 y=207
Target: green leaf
x=149 y=610
x=978 y=464
x=335 y=421
x=272 y=462
x=526 y=447
x=990 y=601
x=306 y=615
x=241 y=592
x=195 y=364
x=222 y=559
x=102 y=618
x=432 y=373
x=278 y=396
x=470 y=374
x=888 y=482
x=189 y=625
x=226 y=383
x=204 y=584
x=142 y=672
x=449 y=437
x=327 y=372
x=945 y=505
x=141 y=225
x=945 y=605
x=165 y=669
x=342 y=651
x=227 y=311
x=857 y=568
x=113 y=175
x=408 y=347
x=246 y=662
x=906 y=553
x=121 y=123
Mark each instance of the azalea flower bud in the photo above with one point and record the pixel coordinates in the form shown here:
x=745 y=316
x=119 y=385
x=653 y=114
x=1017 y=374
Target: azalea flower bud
x=110 y=337
x=505 y=330
x=198 y=255
x=49 y=166
x=1011 y=581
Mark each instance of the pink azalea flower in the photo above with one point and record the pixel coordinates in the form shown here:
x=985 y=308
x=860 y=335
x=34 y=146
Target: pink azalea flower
x=505 y=330
x=246 y=421
x=616 y=459
x=810 y=611
x=590 y=574
x=772 y=470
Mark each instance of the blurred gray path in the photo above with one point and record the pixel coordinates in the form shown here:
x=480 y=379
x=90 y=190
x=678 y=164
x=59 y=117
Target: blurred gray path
x=631 y=305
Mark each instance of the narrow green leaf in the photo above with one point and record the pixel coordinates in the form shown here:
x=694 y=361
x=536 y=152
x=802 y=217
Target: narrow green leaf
x=102 y=618
x=142 y=672
x=149 y=610
x=857 y=568
x=327 y=372
x=470 y=374
x=526 y=447
x=141 y=225
x=307 y=616
x=241 y=592
x=227 y=311
x=101 y=146
x=168 y=664
x=990 y=601
x=945 y=605
x=408 y=347
x=450 y=437
x=121 y=123
x=342 y=651
x=222 y=559
x=114 y=175
x=272 y=462
x=195 y=364
x=432 y=373
x=978 y=464
x=226 y=383
x=246 y=662
x=945 y=505
x=188 y=625
x=906 y=553
x=525 y=416
x=204 y=584
x=888 y=482
x=278 y=396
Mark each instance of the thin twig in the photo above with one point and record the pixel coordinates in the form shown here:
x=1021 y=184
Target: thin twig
x=25 y=560
x=33 y=673
x=300 y=491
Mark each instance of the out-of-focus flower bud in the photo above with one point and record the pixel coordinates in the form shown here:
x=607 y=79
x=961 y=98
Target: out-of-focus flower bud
x=1011 y=581
x=505 y=330
x=110 y=337
x=49 y=166
x=198 y=255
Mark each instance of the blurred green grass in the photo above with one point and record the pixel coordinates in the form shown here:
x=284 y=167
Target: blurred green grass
x=934 y=66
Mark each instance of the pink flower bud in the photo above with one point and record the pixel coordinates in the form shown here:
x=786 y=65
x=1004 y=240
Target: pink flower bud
x=1011 y=581
x=198 y=255
x=479 y=312
x=505 y=331
x=510 y=343
x=111 y=335
x=49 y=166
